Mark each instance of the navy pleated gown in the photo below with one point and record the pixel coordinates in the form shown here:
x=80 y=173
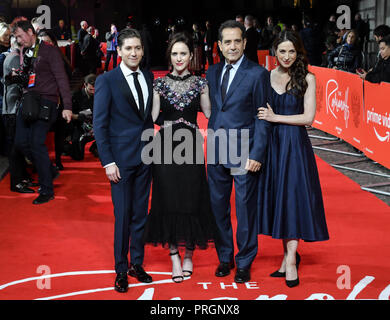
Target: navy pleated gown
x=290 y=198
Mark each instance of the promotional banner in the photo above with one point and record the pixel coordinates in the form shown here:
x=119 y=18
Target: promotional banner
x=339 y=105
x=271 y=63
x=376 y=122
x=262 y=55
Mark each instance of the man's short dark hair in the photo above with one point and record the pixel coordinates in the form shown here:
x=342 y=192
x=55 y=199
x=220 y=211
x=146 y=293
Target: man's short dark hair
x=128 y=33
x=22 y=24
x=231 y=24
x=90 y=79
x=382 y=31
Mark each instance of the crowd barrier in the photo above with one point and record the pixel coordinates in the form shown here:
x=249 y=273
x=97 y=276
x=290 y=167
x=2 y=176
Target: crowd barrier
x=355 y=111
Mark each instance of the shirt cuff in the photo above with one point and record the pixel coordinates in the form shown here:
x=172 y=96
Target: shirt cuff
x=108 y=165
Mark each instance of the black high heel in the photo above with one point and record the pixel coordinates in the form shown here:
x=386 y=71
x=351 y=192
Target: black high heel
x=176 y=277
x=294 y=283
x=278 y=274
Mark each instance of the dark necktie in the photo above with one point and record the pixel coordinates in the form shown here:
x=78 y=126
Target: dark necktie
x=225 y=81
x=140 y=95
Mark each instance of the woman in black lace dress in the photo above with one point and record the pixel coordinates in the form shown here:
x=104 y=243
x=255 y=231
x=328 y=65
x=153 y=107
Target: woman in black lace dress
x=180 y=213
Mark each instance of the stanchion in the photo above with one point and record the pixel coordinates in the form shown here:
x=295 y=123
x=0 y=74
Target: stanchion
x=323 y=138
x=361 y=171
x=369 y=188
x=339 y=151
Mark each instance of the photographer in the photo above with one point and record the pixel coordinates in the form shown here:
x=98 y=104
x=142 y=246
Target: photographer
x=381 y=71
x=43 y=76
x=19 y=178
x=81 y=125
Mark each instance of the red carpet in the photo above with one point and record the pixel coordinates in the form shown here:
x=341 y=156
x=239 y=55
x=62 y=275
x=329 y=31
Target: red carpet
x=70 y=242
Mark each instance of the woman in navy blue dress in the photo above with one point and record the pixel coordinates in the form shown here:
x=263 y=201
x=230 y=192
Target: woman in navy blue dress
x=290 y=198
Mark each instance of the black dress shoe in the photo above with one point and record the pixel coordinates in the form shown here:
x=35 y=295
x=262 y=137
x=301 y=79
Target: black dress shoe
x=138 y=272
x=30 y=183
x=22 y=188
x=121 y=283
x=224 y=268
x=242 y=275
x=43 y=198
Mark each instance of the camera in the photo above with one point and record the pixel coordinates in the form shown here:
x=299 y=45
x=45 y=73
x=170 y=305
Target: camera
x=20 y=76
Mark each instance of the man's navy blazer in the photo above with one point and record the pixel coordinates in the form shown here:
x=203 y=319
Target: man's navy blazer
x=249 y=90
x=117 y=122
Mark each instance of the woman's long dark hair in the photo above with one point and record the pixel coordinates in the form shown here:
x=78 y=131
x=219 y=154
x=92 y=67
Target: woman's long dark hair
x=298 y=71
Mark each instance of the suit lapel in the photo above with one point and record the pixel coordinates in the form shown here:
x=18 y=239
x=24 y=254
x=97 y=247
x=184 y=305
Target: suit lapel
x=240 y=74
x=126 y=91
x=218 y=96
x=149 y=82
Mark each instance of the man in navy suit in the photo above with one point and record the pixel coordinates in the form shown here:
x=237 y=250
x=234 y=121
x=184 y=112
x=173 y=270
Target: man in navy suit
x=238 y=87
x=122 y=111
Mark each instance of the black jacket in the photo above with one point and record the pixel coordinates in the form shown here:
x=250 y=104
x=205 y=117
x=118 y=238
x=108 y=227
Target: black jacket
x=381 y=72
x=344 y=57
x=252 y=39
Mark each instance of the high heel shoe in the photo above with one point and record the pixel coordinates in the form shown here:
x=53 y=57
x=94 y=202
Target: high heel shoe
x=295 y=282
x=292 y=283
x=188 y=273
x=278 y=274
x=175 y=278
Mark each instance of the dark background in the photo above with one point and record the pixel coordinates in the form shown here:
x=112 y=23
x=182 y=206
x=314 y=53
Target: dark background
x=101 y=13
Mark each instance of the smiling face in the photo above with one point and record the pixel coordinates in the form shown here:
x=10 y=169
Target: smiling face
x=180 y=57
x=232 y=45
x=286 y=54
x=131 y=52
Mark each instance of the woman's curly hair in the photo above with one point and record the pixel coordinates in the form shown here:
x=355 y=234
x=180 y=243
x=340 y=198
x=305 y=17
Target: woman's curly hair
x=298 y=71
